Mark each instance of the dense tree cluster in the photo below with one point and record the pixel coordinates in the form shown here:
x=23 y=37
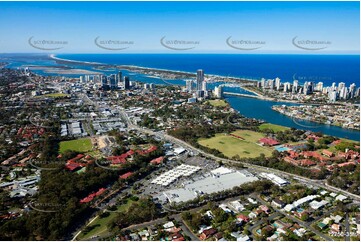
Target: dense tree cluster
x=289 y=135
x=141 y=211
x=58 y=199
x=346 y=178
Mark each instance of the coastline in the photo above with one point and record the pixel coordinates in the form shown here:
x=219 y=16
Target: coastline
x=52 y=56
x=134 y=67
x=227 y=79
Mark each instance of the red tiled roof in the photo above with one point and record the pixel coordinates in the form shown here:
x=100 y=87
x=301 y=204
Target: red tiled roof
x=313 y=136
x=73 y=166
x=91 y=196
x=207 y=233
x=126 y=175
x=78 y=157
x=293 y=154
x=314 y=154
x=150 y=149
x=121 y=159
x=336 y=142
x=243 y=217
x=346 y=164
x=100 y=191
x=327 y=153
x=268 y=141
x=306 y=162
x=157 y=160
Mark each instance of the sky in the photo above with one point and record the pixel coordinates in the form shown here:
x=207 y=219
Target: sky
x=180 y=27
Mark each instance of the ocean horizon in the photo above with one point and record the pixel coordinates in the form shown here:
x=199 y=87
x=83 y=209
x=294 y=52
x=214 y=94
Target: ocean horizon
x=288 y=67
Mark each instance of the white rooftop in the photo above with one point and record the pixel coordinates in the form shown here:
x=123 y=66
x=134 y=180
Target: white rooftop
x=170 y=176
x=208 y=185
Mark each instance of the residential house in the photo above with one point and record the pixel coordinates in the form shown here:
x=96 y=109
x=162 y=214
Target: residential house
x=336 y=228
x=337 y=219
x=243 y=218
x=278 y=203
x=207 y=233
x=327 y=153
x=264 y=208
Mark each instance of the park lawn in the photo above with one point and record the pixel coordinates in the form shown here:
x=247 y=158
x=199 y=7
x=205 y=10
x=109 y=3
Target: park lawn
x=248 y=135
x=350 y=141
x=79 y=145
x=231 y=146
x=99 y=225
x=274 y=127
x=218 y=103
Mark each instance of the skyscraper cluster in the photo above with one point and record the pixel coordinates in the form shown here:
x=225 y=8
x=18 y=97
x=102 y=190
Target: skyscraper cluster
x=108 y=82
x=199 y=87
x=334 y=92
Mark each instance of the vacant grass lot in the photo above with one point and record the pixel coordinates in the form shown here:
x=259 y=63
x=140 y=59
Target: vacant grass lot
x=274 y=127
x=218 y=103
x=99 y=226
x=80 y=145
x=231 y=146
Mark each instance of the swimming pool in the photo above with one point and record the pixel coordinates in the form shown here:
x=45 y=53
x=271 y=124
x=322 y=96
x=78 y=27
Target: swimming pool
x=281 y=148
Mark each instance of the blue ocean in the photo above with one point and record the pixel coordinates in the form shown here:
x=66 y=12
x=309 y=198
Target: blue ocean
x=324 y=68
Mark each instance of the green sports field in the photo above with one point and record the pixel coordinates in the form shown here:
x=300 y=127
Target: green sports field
x=80 y=145
x=231 y=146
